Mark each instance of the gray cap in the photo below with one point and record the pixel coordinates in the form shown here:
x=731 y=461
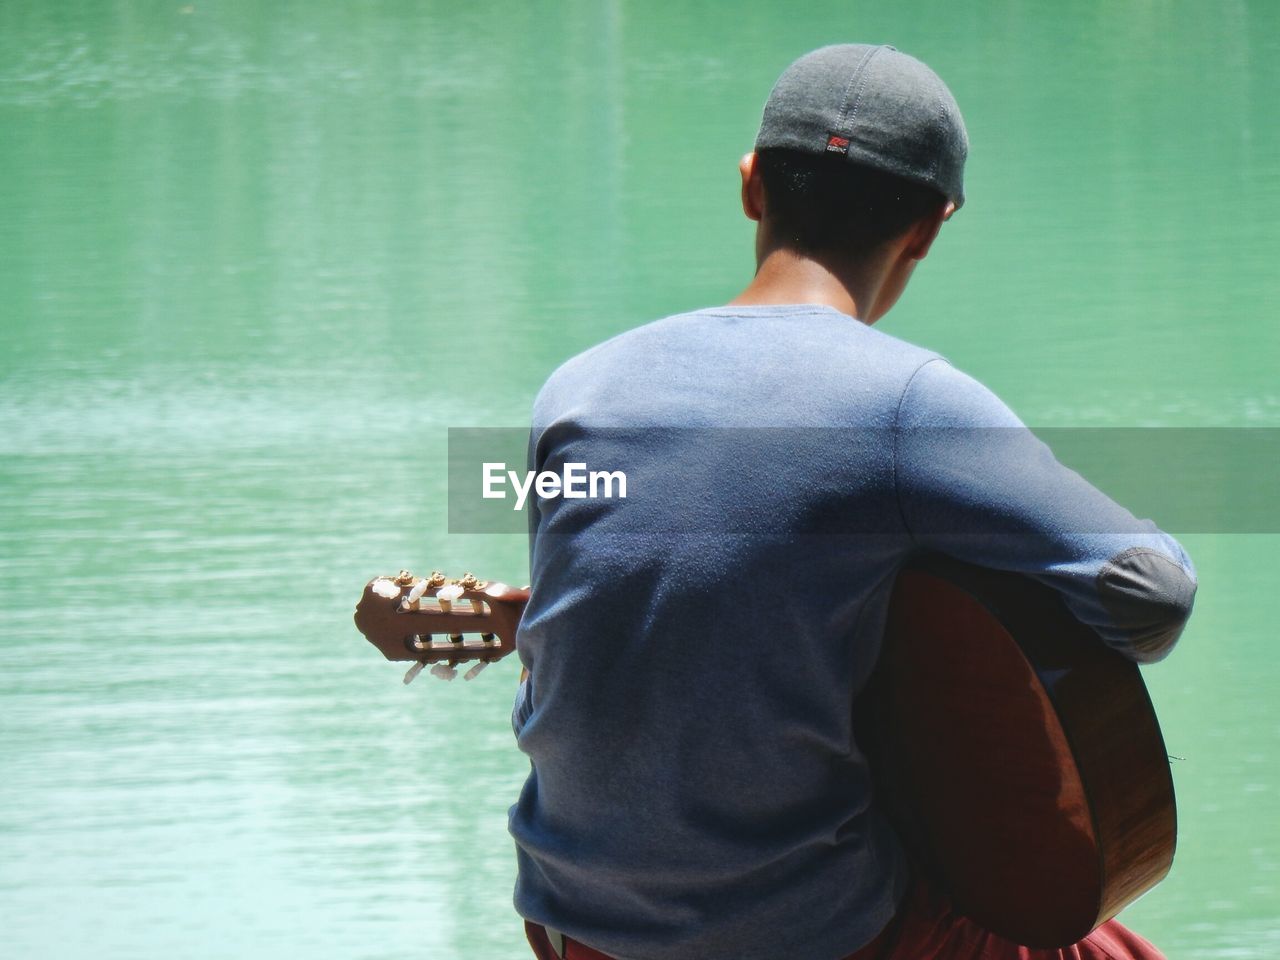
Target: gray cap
x=877 y=107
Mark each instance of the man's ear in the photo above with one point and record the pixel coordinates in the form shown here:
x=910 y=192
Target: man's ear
x=752 y=188
x=926 y=231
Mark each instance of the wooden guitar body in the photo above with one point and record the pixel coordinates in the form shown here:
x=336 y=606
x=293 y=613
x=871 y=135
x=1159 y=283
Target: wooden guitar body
x=1019 y=756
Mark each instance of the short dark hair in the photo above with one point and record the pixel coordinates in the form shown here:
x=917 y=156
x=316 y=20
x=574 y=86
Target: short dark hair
x=822 y=203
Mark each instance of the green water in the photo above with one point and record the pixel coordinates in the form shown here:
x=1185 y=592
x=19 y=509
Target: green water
x=255 y=259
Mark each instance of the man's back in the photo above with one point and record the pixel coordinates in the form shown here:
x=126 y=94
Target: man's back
x=695 y=649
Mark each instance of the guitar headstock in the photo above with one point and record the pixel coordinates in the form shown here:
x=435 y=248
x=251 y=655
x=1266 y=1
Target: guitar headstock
x=436 y=620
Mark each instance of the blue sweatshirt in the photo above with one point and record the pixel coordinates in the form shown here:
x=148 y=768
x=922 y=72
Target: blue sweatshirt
x=695 y=794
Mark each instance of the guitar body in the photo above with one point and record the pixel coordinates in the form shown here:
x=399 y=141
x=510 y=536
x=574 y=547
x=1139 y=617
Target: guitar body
x=1018 y=755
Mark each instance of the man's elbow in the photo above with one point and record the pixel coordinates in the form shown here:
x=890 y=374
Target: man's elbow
x=1149 y=598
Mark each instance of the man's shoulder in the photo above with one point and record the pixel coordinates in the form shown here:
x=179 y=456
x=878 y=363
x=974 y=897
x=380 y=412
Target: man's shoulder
x=678 y=331
x=779 y=329
x=787 y=354
x=630 y=349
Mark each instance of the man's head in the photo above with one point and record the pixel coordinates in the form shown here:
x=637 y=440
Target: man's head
x=858 y=145
x=819 y=204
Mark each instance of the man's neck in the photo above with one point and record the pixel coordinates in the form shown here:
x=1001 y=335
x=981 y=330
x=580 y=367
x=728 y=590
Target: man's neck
x=785 y=276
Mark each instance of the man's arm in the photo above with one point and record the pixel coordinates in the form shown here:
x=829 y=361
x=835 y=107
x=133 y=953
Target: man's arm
x=975 y=483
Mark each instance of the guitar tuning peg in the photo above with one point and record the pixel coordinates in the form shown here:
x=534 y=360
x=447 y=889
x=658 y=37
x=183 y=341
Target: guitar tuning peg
x=487 y=637
x=446 y=595
x=414 y=671
x=415 y=595
x=386 y=588
x=444 y=671
x=475 y=671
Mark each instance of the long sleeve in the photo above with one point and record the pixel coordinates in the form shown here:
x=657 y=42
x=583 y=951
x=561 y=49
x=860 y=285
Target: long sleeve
x=973 y=482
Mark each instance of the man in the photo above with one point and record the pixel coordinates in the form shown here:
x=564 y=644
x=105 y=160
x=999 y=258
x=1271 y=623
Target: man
x=693 y=794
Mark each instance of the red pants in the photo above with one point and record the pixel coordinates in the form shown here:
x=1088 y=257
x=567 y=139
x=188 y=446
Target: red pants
x=926 y=928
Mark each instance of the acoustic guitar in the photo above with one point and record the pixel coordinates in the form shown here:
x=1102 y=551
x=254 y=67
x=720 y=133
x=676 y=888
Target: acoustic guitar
x=1020 y=757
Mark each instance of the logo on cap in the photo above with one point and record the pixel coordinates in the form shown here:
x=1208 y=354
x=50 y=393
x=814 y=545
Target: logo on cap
x=837 y=144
